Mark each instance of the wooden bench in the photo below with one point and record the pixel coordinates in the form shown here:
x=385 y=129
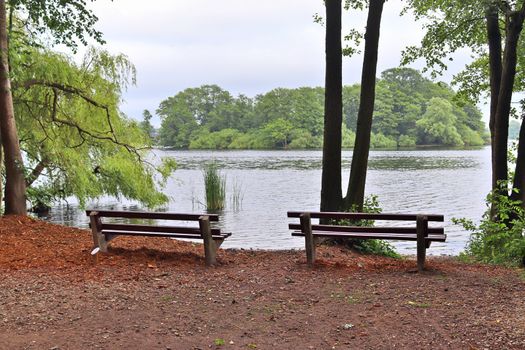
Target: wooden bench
x=420 y=233
x=105 y=232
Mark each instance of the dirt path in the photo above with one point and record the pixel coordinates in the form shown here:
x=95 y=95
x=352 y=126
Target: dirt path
x=54 y=296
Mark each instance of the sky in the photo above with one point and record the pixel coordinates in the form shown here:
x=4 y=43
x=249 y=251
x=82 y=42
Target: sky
x=244 y=46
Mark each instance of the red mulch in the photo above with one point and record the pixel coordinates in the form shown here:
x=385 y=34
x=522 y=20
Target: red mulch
x=157 y=294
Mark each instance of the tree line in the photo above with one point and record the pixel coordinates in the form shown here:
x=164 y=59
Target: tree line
x=409 y=110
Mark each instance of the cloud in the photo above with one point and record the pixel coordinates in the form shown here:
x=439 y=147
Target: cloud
x=245 y=46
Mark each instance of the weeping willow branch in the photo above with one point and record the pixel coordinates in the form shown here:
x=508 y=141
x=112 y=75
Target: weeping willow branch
x=83 y=132
x=76 y=91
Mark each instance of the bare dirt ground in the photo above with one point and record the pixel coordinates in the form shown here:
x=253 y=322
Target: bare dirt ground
x=157 y=294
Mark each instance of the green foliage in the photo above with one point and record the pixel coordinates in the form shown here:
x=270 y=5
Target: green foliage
x=65 y=21
x=215 y=188
x=69 y=123
x=497 y=240
x=293 y=118
x=302 y=139
x=382 y=141
x=450 y=26
x=406 y=141
x=438 y=124
x=40 y=198
x=214 y=140
x=279 y=131
x=146 y=126
x=348 y=137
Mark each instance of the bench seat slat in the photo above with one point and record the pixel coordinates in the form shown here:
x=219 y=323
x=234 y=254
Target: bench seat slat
x=366 y=216
x=150 y=215
x=165 y=229
x=375 y=229
x=161 y=234
x=369 y=235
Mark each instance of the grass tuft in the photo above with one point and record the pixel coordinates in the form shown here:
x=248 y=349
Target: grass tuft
x=215 y=188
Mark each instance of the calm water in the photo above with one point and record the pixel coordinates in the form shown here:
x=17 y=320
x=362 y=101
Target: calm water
x=449 y=182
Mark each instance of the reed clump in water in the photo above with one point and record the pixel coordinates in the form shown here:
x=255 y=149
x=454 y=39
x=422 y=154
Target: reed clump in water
x=215 y=188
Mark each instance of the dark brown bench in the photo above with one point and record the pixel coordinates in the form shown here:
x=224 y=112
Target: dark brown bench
x=105 y=232
x=421 y=233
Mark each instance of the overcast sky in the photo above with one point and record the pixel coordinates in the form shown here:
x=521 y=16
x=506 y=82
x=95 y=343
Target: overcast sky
x=244 y=46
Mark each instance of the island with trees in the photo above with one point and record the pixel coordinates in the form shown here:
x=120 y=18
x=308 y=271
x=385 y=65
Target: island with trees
x=410 y=110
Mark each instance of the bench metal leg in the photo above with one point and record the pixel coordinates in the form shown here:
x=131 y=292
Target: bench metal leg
x=99 y=240
x=218 y=243
x=422 y=233
x=306 y=228
x=210 y=250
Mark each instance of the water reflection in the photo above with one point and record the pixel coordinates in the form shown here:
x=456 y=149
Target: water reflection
x=449 y=182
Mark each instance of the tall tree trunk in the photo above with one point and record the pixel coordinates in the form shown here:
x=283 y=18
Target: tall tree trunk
x=356 y=185
x=331 y=188
x=1 y=173
x=15 y=189
x=494 y=43
x=501 y=118
x=518 y=185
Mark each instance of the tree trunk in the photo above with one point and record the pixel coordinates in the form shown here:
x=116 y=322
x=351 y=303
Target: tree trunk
x=518 y=192
x=501 y=118
x=356 y=186
x=494 y=43
x=15 y=189
x=331 y=188
x=1 y=173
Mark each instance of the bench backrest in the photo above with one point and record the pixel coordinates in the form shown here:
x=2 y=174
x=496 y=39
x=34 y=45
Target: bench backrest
x=366 y=216
x=97 y=215
x=150 y=215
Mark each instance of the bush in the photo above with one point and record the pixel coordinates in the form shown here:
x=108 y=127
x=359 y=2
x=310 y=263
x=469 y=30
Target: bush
x=499 y=239
x=348 y=137
x=215 y=140
x=382 y=141
x=470 y=137
x=303 y=139
x=242 y=141
x=406 y=141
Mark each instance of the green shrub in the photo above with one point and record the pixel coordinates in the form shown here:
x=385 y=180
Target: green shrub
x=498 y=239
x=215 y=140
x=406 y=141
x=470 y=137
x=242 y=141
x=381 y=141
x=348 y=137
x=303 y=139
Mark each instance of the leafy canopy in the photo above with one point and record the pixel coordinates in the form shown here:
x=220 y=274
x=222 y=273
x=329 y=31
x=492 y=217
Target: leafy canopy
x=211 y=118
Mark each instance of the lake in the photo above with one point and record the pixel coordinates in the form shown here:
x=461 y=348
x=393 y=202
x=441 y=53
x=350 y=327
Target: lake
x=449 y=182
